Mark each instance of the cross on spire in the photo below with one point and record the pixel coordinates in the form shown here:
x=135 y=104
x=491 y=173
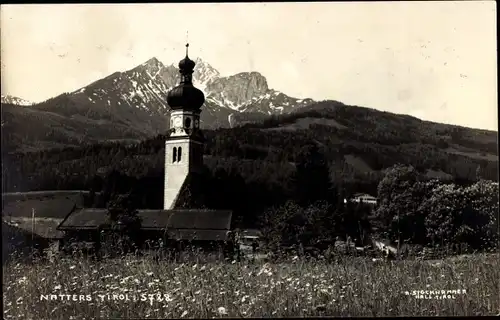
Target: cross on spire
x=187 y=47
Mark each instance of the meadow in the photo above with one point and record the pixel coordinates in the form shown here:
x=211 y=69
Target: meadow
x=139 y=287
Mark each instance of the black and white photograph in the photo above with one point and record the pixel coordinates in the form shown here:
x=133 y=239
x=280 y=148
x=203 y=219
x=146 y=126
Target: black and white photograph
x=249 y=160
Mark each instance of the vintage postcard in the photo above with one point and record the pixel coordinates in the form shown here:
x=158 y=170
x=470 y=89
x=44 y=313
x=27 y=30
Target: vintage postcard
x=201 y=160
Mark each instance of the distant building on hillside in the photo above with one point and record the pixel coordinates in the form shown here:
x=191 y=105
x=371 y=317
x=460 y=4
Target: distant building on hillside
x=362 y=198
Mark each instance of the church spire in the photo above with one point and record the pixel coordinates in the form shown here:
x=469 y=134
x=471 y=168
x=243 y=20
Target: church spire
x=185 y=95
x=186 y=68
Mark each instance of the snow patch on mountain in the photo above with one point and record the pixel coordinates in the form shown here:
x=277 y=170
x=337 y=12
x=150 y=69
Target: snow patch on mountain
x=230 y=120
x=15 y=100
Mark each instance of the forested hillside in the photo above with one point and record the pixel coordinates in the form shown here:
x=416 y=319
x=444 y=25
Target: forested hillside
x=357 y=144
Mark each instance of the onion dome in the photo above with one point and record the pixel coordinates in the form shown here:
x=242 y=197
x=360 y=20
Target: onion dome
x=186 y=64
x=185 y=95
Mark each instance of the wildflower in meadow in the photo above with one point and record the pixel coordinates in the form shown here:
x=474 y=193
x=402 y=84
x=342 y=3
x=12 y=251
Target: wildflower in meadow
x=221 y=311
x=21 y=280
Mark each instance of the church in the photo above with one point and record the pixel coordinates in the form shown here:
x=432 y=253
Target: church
x=183 y=167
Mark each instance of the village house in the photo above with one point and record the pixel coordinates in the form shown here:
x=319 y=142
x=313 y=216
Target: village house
x=362 y=198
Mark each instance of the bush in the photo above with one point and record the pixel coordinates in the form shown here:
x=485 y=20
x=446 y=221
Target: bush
x=124 y=223
x=417 y=211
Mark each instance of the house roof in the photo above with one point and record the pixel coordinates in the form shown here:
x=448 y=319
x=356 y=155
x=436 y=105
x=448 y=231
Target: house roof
x=43 y=208
x=364 y=195
x=251 y=233
x=12 y=234
x=50 y=208
x=199 y=219
x=202 y=235
x=41 y=227
x=59 y=211
x=75 y=195
x=188 y=219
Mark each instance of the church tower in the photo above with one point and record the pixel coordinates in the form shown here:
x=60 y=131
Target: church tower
x=184 y=146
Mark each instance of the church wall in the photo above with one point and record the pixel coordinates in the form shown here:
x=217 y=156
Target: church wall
x=176 y=171
x=181 y=120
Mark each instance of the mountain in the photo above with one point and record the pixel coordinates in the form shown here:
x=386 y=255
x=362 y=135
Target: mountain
x=132 y=105
x=15 y=100
x=31 y=129
x=249 y=92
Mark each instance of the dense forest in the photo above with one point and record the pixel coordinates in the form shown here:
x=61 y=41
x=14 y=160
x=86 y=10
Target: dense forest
x=357 y=143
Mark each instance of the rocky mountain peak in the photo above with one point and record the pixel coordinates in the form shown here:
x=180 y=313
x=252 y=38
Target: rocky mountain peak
x=170 y=76
x=204 y=72
x=237 y=90
x=254 y=78
x=153 y=66
x=153 y=62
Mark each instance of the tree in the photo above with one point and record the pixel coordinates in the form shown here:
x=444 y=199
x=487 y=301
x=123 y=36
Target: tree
x=354 y=221
x=482 y=213
x=404 y=205
x=281 y=225
x=443 y=209
x=292 y=226
x=395 y=181
x=442 y=143
x=478 y=173
x=312 y=178
x=463 y=214
x=320 y=223
x=111 y=185
x=124 y=221
x=395 y=199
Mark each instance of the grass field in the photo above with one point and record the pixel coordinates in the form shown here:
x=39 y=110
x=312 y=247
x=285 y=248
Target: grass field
x=352 y=287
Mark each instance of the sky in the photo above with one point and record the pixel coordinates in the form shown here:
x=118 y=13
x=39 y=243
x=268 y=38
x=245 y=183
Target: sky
x=434 y=60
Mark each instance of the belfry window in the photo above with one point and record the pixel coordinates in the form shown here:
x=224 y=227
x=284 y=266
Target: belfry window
x=187 y=123
x=174 y=155
x=179 y=155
